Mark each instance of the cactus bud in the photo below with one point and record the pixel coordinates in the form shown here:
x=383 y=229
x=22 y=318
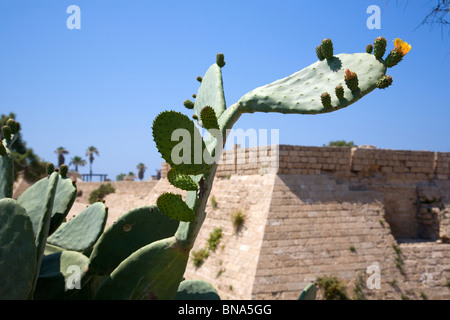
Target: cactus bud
x=194 y=117
x=3 y=151
x=339 y=92
x=319 y=53
x=394 y=57
x=379 y=47
x=220 y=60
x=199 y=79
x=369 y=49
x=188 y=104
x=326 y=100
x=6 y=132
x=351 y=80
x=384 y=82
x=50 y=168
x=327 y=48
x=194 y=96
x=63 y=170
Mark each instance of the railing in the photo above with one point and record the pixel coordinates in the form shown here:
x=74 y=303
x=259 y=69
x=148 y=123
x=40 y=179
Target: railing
x=88 y=176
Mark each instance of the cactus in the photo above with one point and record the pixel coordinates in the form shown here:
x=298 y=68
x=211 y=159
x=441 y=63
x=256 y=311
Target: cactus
x=196 y=290
x=309 y=293
x=145 y=253
x=83 y=231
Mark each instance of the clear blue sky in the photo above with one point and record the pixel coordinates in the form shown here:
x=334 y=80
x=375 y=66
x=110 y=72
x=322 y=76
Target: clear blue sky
x=103 y=84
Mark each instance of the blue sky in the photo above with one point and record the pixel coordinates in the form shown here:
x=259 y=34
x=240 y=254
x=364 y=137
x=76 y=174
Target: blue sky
x=103 y=84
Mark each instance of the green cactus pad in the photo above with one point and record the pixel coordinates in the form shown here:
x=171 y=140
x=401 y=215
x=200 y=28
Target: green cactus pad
x=309 y=293
x=181 y=181
x=66 y=193
x=6 y=172
x=173 y=206
x=18 y=251
x=83 y=231
x=152 y=272
x=196 y=290
x=132 y=231
x=62 y=274
x=38 y=202
x=300 y=92
x=164 y=127
x=209 y=119
x=210 y=93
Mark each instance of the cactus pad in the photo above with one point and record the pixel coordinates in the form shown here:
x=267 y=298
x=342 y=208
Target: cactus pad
x=210 y=93
x=6 y=171
x=18 y=251
x=60 y=274
x=81 y=232
x=309 y=293
x=152 y=272
x=196 y=290
x=132 y=231
x=164 y=127
x=173 y=206
x=181 y=181
x=66 y=193
x=300 y=92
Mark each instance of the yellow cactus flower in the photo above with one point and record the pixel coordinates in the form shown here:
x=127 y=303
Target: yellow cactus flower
x=402 y=46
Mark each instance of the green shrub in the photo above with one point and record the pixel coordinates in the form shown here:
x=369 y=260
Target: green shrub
x=332 y=287
x=238 y=219
x=199 y=257
x=100 y=193
x=214 y=238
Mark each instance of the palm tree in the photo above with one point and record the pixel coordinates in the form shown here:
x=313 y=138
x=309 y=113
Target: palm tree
x=77 y=161
x=61 y=151
x=141 y=167
x=90 y=153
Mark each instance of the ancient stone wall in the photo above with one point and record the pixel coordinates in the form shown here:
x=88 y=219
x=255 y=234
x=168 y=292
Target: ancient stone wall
x=312 y=211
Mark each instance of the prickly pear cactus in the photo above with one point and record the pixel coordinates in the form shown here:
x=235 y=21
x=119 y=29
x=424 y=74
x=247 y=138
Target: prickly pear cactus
x=145 y=253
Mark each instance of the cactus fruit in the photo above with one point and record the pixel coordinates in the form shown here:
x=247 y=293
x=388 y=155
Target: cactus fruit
x=379 y=47
x=173 y=206
x=63 y=170
x=196 y=290
x=188 y=104
x=132 y=231
x=351 y=80
x=327 y=48
x=199 y=79
x=82 y=232
x=220 y=60
x=309 y=293
x=50 y=168
x=339 y=90
x=384 y=82
x=319 y=53
x=397 y=54
x=369 y=49
x=326 y=100
x=18 y=251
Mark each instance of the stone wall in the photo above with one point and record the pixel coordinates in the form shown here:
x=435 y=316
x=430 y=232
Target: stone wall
x=312 y=211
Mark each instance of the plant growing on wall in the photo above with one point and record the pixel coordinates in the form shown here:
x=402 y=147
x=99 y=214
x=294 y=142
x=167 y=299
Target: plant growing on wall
x=145 y=253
